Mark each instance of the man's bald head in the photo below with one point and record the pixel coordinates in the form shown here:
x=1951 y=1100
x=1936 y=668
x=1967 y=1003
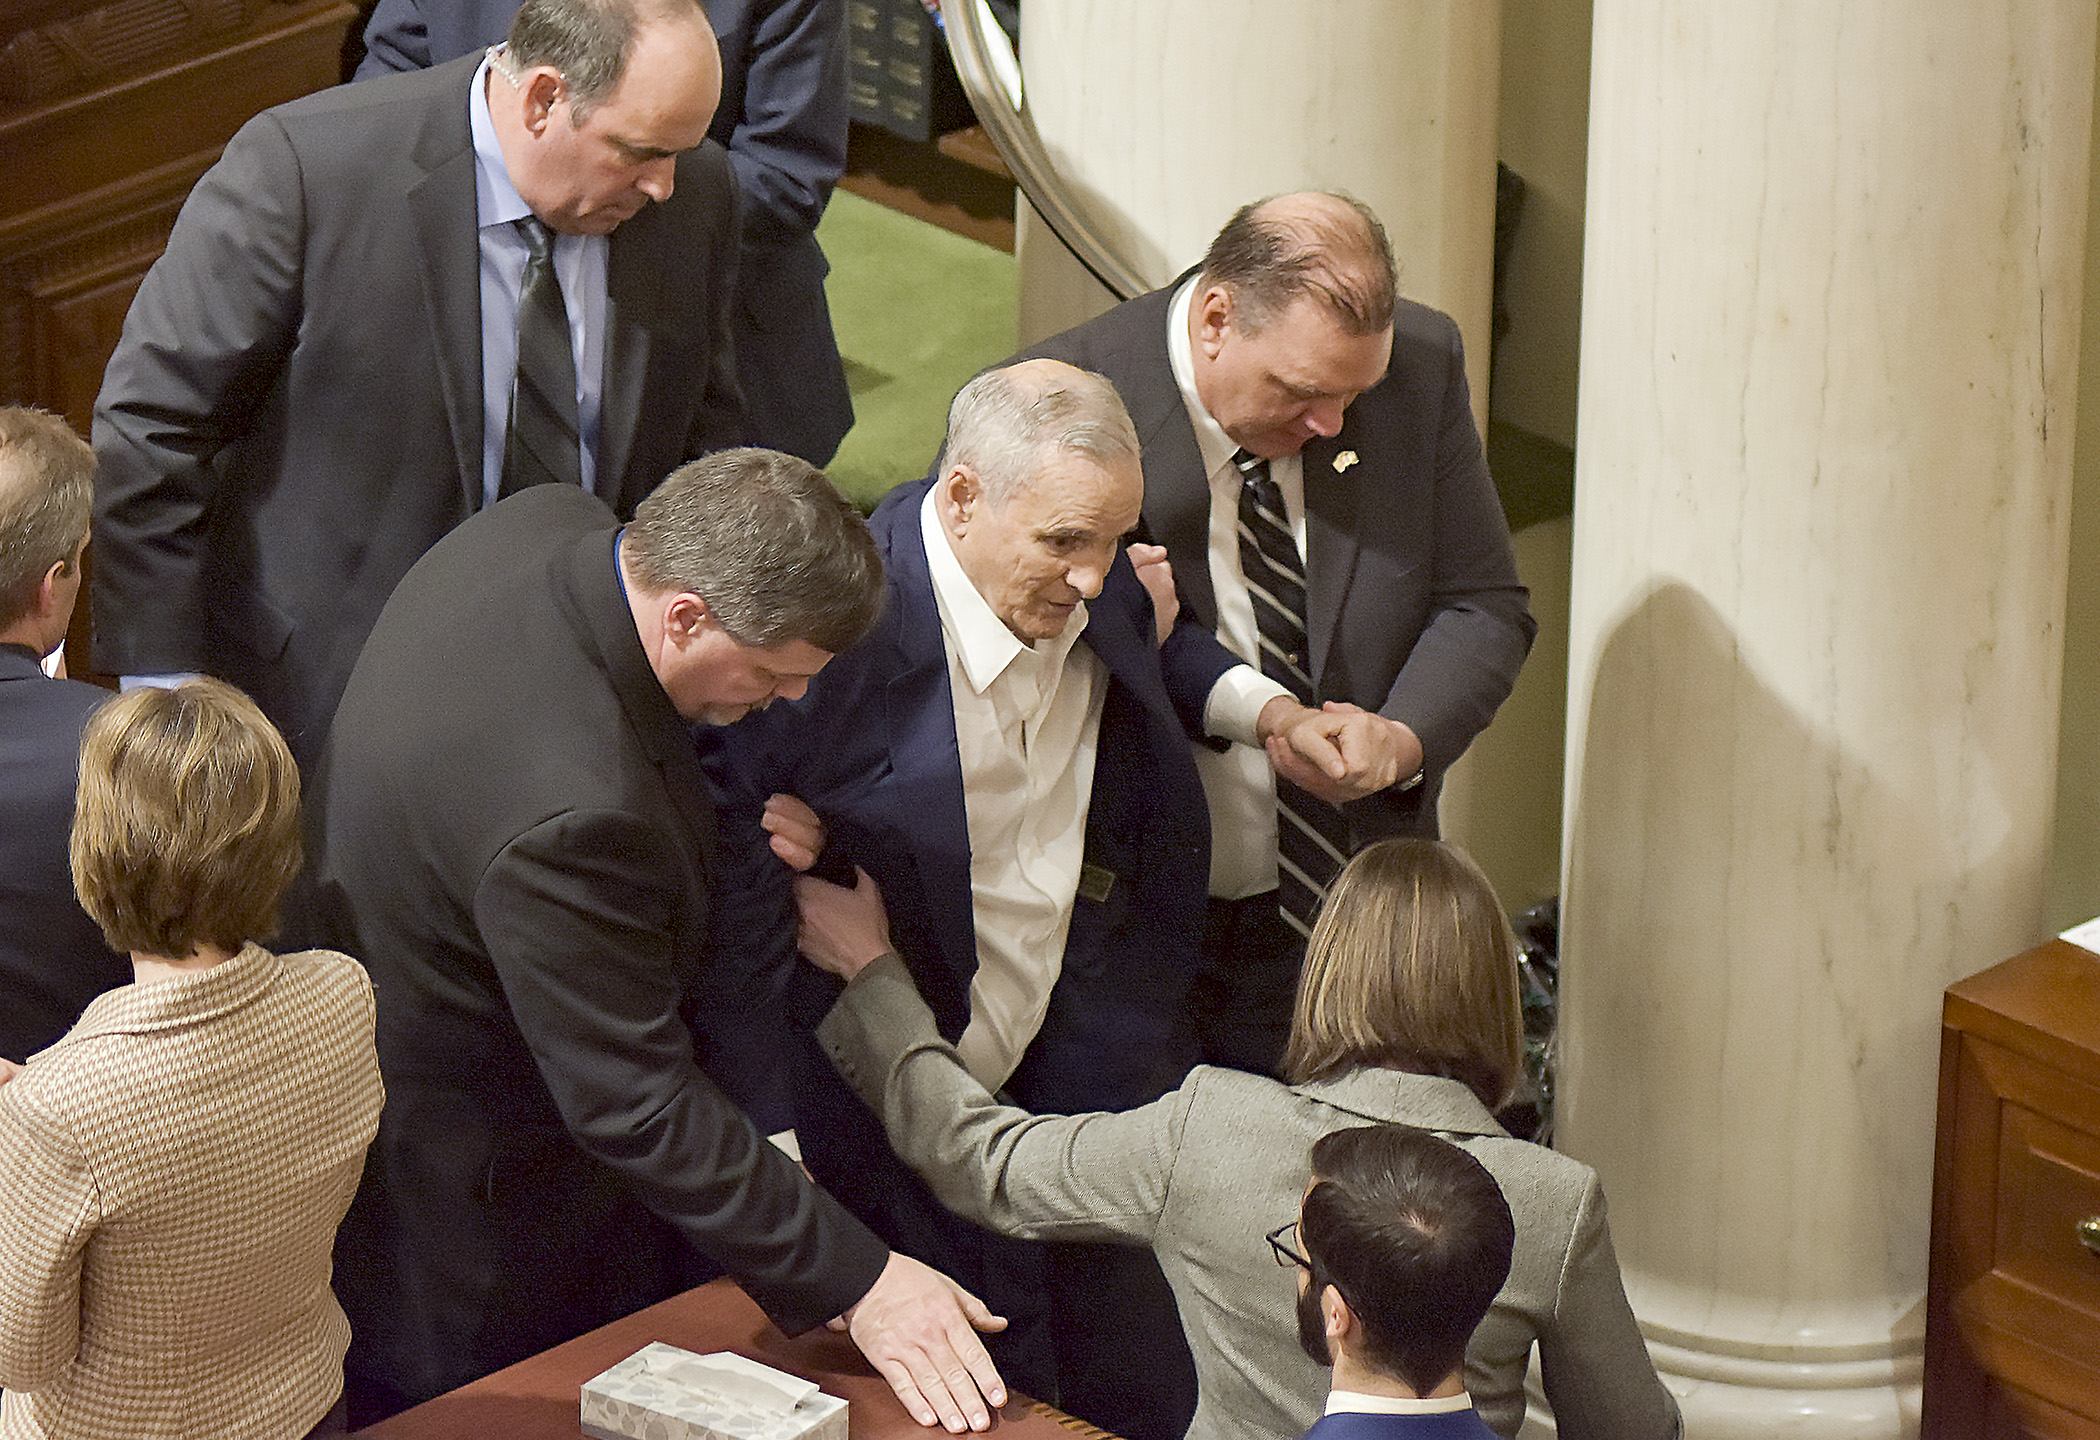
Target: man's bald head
x=1313 y=245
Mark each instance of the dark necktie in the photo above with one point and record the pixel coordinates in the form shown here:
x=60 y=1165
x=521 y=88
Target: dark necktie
x=540 y=447
x=1311 y=837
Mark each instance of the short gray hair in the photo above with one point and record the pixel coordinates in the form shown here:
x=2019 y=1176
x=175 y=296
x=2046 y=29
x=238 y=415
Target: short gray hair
x=588 y=41
x=764 y=539
x=1321 y=244
x=1002 y=421
x=47 y=481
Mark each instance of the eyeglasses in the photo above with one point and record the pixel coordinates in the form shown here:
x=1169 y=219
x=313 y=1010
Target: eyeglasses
x=1284 y=1241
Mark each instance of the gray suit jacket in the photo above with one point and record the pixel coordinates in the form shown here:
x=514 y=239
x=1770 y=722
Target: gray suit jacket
x=1202 y=1174
x=294 y=413
x=1413 y=606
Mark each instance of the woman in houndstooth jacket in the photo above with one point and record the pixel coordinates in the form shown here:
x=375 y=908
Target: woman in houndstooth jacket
x=176 y=1165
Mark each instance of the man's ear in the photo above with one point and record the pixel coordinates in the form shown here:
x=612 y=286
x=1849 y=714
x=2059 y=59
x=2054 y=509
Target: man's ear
x=1340 y=1320
x=47 y=601
x=685 y=616
x=1214 y=313
x=958 y=497
x=541 y=88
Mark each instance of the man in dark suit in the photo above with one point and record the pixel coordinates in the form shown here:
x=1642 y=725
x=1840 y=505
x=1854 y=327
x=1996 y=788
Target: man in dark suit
x=1402 y=1243
x=783 y=121
x=52 y=958
x=315 y=381
x=516 y=827
x=1287 y=365
x=1008 y=754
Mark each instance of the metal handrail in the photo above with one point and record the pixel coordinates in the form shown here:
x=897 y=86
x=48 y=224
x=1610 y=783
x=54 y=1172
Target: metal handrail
x=1005 y=118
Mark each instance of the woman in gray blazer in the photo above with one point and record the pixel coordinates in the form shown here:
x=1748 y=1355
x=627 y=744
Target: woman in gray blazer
x=1407 y=1011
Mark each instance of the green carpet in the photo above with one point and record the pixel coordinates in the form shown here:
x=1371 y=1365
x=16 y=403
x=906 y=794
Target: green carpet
x=918 y=311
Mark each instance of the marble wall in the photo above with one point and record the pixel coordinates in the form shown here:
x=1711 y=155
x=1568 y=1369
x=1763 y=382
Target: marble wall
x=1829 y=378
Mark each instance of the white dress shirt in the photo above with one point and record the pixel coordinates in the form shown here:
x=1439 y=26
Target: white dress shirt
x=1027 y=719
x=1238 y=782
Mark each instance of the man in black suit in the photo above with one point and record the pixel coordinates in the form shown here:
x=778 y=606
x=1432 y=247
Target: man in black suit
x=314 y=383
x=783 y=121
x=52 y=959
x=1289 y=353
x=516 y=827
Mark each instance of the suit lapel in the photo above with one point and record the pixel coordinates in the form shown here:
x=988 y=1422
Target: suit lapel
x=634 y=276
x=920 y=726
x=448 y=234
x=1177 y=488
x=1331 y=499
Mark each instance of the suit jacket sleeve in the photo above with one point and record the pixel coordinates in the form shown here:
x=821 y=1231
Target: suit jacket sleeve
x=48 y=1210
x=1049 y=1177
x=578 y=915
x=397 y=37
x=1463 y=665
x=201 y=349
x=1598 y=1376
x=789 y=144
x=718 y=421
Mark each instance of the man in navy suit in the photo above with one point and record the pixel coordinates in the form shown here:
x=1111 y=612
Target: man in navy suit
x=1009 y=755
x=1403 y=1242
x=52 y=959
x=783 y=121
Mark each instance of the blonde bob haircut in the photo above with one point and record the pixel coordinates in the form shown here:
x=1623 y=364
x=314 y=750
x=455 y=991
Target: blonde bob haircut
x=1411 y=966
x=186 y=821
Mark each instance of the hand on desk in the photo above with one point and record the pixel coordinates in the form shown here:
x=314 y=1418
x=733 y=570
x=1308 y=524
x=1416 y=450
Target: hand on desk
x=919 y=1329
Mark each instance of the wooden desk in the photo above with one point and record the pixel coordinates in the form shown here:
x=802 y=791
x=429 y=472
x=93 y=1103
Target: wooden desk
x=538 y=1399
x=2012 y=1337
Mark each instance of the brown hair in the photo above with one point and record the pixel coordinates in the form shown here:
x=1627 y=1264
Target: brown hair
x=1411 y=966
x=764 y=539
x=186 y=821
x=47 y=475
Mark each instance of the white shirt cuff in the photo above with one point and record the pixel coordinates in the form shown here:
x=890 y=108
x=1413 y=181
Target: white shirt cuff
x=1236 y=702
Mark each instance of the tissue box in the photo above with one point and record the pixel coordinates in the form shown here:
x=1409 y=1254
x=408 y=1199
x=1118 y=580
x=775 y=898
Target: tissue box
x=664 y=1393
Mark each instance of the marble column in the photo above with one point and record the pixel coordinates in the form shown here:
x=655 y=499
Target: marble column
x=1168 y=116
x=1831 y=302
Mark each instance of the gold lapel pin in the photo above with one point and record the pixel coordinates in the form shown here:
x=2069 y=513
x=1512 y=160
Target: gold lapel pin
x=1344 y=460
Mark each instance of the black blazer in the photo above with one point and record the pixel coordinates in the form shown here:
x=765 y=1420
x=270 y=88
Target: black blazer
x=52 y=959
x=1413 y=606
x=294 y=413
x=517 y=828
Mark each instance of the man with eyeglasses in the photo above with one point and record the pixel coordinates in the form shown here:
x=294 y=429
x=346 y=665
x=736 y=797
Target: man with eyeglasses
x=1402 y=1243
x=386 y=307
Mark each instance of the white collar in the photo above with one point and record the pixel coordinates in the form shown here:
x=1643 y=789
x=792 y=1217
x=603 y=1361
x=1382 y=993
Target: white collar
x=1345 y=1402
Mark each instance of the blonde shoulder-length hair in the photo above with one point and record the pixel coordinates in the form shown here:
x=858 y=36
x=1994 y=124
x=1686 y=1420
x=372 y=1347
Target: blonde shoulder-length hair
x=1411 y=966
x=186 y=821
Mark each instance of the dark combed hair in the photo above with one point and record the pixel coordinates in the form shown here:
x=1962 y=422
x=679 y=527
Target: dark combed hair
x=764 y=539
x=47 y=478
x=1326 y=246
x=1415 y=1235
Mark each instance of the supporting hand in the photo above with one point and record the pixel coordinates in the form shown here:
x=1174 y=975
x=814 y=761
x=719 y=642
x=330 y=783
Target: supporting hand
x=919 y=1329
x=1339 y=752
x=798 y=835
x=1156 y=574
x=843 y=931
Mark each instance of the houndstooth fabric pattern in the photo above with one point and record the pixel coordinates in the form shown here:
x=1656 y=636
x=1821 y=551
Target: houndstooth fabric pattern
x=175 y=1168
